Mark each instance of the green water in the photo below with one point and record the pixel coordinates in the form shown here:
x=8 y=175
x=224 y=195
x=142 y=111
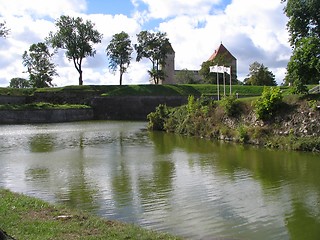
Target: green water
x=189 y=187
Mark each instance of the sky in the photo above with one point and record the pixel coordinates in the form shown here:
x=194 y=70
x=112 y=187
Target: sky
x=251 y=30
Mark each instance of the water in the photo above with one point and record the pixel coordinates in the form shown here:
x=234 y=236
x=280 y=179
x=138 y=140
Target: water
x=186 y=186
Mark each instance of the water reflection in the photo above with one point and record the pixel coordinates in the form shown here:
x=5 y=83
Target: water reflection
x=187 y=186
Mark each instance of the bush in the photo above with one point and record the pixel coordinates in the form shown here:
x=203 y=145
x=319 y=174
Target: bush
x=267 y=105
x=158 y=118
x=230 y=105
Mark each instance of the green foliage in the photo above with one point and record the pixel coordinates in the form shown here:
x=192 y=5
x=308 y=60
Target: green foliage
x=119 y=52
x=230 y=105
x=19 y=83
x=304 y=65
x=260 y=75
x=40 y=68
x=267 y=105
x=303 y=19
x=304 y=29
x=243 y=135
x=155 y=47
x=185 y=76
x=77 y=38
x=157 y=119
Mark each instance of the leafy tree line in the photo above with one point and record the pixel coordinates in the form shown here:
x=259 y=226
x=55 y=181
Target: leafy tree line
x=78 y=37
x=304 y=31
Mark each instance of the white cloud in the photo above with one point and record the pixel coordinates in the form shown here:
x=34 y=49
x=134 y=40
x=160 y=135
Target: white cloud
x=40 y=8
x=252 y=31
x=168 y=8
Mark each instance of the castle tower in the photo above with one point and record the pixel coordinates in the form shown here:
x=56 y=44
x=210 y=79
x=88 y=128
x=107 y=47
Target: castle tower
x=169 y=68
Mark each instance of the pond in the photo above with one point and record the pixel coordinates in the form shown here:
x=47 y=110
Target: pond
x=190 y=187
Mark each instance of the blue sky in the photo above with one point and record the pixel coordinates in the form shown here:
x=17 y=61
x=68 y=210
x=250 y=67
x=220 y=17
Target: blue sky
x=110 y=7
x=251 y=31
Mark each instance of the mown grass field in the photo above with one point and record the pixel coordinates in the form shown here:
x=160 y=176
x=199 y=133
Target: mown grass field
x=27 y=218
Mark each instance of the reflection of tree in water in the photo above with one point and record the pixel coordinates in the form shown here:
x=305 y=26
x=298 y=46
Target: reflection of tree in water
x=42 y=143
x=157 y=188
x=166 y=143
x=302 y=224
x=121 y=184
x=80 y=192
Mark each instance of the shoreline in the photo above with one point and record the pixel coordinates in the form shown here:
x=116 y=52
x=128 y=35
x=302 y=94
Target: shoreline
x=23 y=217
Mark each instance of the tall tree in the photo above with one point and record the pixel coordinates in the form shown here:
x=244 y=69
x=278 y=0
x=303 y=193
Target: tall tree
x=304 y=29
x=119 y=52
x=260 y=75
x=155 y=47
x=3 y=30
x=40 y=68
x=77 y=38
x=304 y=19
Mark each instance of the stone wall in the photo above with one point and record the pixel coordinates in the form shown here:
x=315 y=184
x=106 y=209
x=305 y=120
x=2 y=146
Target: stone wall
x=131 y=107
x=5 y=99
x=44 y=116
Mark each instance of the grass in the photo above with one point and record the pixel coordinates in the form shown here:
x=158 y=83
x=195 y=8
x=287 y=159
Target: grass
x=144 y=89
x=24 y=217
x=16 y=91
x=41 y=105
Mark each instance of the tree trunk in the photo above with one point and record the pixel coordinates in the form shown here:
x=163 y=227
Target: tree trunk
x=121 y=73
x=80 y=78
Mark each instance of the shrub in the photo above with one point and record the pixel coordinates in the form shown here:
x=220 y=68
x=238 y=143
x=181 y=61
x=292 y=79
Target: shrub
x=230 y=105
x=158 y=118
x=267 y=105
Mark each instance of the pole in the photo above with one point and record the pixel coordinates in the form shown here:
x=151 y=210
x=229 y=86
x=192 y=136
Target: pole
x=218 y=86
x=224 y=83
x=230 y=80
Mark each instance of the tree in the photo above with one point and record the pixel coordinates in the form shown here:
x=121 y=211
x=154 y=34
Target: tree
x=304 y=65
x=304 y=19
x=3 y=30
x=260 y=75
x=39 y=65
x=209 y=77
x=77 y=38
x=185 y=76
x=119 y=52
x=304 y=29
x=155 y=47
x=19 y=83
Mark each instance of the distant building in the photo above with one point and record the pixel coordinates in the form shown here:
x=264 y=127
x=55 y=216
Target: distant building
x=221 y=52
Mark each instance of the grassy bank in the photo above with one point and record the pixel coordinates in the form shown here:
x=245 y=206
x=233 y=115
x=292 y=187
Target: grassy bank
x=292 y=124
x=27 y=218
x=142 y=89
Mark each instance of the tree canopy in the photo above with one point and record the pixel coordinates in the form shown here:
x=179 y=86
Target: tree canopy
x=3 y=30
x=77 y=38
x=209 y=77
x=119 y=52
x=260 y=75
x=304 y=19
x=19 y=83
x=155 y=47
x=40 y=68
x=304 y=29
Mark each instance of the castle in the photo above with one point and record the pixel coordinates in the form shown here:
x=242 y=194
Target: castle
x=220 y=53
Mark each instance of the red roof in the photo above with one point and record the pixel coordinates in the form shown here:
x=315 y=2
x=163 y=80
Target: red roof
x=221 y=51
